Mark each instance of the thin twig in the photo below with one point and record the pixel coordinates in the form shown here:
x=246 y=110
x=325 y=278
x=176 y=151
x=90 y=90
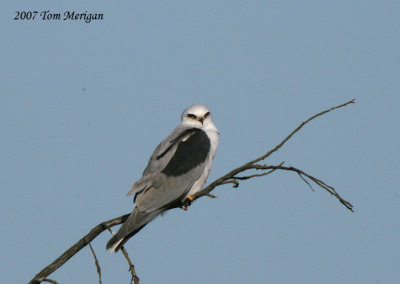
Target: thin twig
x=306 y=181
x=319 y=182
x=234 y=181
x=50 y=281
x=134 y=278
x=277 y=147
x=96 y=261
x=258 y=167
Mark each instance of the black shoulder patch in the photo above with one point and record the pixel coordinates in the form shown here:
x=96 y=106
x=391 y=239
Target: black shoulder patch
x=189 y=153
x=180 y=136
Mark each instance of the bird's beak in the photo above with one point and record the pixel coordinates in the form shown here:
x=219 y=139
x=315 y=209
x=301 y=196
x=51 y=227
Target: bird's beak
x=201 y=119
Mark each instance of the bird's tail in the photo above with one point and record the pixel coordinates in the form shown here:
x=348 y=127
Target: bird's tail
x=135 y=222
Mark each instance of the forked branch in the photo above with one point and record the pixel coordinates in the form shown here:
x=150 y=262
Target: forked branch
x=232 y=177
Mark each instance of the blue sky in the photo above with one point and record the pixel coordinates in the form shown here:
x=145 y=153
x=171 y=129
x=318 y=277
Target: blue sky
x=82 y=107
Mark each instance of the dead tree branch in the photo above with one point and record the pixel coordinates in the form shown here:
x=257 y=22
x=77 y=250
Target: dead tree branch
x=50 y=281
x=231 y=177
x=77 y=247
x=96 y=262
x=135 y=278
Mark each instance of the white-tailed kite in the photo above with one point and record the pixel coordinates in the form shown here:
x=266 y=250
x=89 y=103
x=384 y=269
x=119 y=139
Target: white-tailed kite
x=178 y=168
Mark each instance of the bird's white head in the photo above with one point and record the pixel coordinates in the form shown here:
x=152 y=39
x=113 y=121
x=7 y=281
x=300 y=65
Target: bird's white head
x=198 y=116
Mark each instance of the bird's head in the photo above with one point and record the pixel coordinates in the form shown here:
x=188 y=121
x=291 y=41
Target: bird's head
x=198 y=116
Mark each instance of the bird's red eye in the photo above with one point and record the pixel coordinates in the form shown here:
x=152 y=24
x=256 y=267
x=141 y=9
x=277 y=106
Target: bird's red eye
x=190 y=115
x=207 y=114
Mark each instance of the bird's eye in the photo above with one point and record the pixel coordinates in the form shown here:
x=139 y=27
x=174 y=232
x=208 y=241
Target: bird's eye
x=207 y=114
x=192 y=116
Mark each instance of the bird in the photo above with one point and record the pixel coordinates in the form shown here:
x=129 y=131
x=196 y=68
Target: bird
x=177 y=169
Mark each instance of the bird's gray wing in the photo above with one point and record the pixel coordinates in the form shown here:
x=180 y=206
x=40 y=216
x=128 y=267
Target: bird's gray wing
x=161 y=157
x=166 y=149
x=173 y=169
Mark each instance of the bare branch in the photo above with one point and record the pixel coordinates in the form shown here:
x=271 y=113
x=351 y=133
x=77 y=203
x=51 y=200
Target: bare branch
x=135 y=278
x=309 y=185
x=230 y=177
x=96 y=261
x=318 y=182
x=258 y=167
x=50 y=281
x=77 y=247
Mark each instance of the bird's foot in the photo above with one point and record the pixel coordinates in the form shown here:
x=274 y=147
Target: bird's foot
x=187 y=202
